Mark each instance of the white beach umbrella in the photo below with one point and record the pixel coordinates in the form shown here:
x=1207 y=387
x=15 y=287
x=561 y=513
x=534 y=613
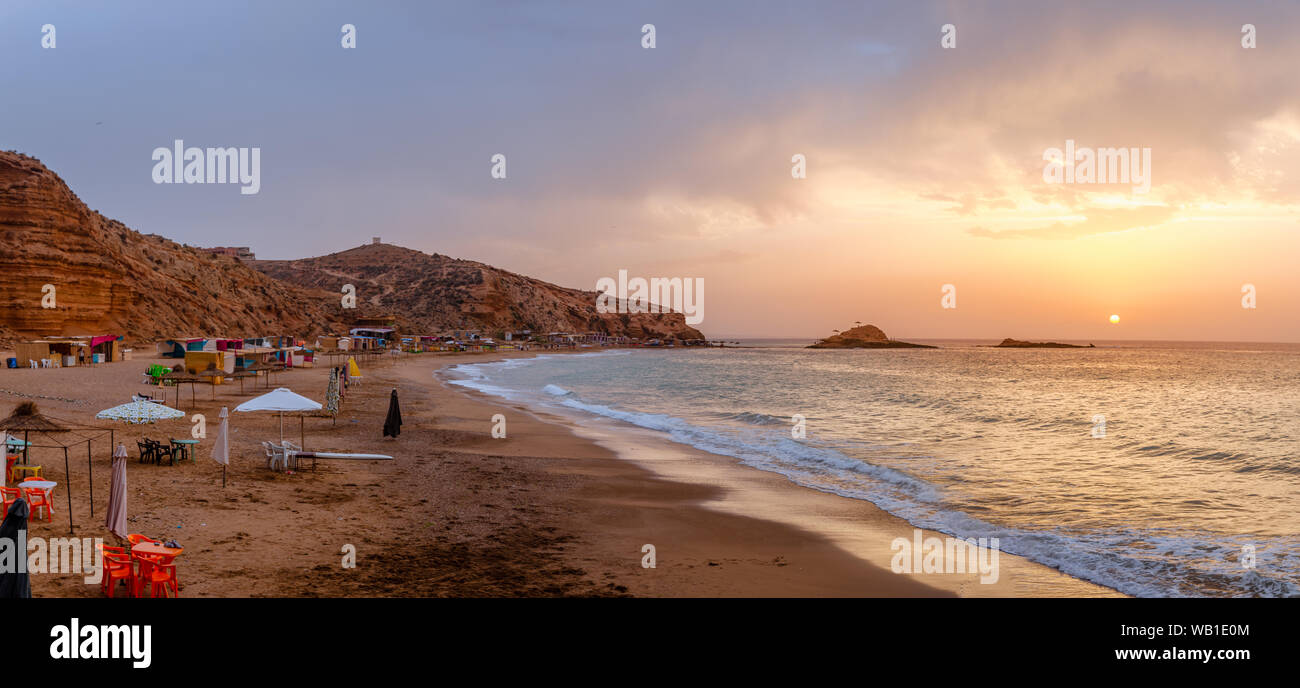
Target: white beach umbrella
x=281 y=399
x=140 y=412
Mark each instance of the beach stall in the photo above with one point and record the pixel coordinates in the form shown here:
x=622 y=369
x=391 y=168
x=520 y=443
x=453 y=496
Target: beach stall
x=376 y=337
x=199 y=361
x=106 y=348
x=177 y=346
x=303 y=357
x=229 y=344
x=56 y=352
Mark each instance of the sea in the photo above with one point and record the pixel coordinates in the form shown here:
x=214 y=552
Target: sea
x=1154 y=468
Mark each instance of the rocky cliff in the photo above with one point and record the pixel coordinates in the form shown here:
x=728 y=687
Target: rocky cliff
x=432 y=293
x=108 y=278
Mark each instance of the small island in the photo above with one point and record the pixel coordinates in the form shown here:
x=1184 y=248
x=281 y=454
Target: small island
x=1010 y=343
x=865 y=337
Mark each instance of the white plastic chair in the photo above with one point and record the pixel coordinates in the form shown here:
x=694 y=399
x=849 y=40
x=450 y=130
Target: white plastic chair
x=291 y=455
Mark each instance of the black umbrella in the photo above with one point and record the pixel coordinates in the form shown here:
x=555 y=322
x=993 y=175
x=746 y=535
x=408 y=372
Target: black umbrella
x=15 y=583
x=393 y=424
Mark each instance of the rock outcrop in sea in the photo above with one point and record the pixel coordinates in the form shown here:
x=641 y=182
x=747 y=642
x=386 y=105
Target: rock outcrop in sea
x=1010 y=343
x=865 y=337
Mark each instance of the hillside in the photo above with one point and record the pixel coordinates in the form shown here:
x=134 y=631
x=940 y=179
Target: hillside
x=111 y=279
x=434 y=293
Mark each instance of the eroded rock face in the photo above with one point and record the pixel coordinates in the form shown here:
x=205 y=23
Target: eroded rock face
x=108 y=278
x=435 y=293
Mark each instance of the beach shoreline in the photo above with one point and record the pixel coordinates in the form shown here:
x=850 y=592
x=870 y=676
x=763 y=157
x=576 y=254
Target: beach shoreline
x=766 y=499
x=556 y=508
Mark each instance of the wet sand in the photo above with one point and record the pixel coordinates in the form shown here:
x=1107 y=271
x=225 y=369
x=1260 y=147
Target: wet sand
x=554 y=509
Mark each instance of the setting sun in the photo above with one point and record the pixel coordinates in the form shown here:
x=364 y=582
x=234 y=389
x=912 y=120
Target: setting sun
x=1114 y=319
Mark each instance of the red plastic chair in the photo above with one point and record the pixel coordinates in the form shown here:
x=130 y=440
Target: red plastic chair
x=9 y=495
x=136 y=538
x=162 y=578
x=117 y=567
x=39 y=499
x=144 y=570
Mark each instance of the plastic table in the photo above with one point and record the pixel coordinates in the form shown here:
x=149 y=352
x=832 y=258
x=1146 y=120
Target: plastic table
x=187 y=448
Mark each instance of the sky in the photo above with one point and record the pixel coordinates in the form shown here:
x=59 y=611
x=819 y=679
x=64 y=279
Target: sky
x=925 y=165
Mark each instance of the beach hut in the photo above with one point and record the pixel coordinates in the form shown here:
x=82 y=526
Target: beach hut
x=58 y=351
x=177 y=346
x=105 y=348
x=170 y=348
x=303 y=358
x=199 y=361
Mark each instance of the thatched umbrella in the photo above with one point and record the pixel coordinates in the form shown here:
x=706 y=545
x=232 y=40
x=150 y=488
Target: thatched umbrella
x=26 y=418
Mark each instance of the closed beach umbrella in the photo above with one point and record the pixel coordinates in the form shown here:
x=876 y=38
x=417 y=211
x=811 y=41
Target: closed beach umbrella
x=393 y=424
x=332 y=393
x=221 y=447
x=115 y=521
x=139 y=412
x=14 y=584
x=282 y=399
x=353 y=370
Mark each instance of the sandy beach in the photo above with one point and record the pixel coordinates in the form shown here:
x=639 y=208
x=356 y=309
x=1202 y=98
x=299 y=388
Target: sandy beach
x=554 y=509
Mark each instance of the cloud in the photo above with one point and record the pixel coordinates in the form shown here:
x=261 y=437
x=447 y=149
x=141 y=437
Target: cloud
x=1096 y=221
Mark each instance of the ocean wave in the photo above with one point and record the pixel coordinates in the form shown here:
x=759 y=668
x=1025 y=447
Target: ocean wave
x=755 y=418
x=556 y=391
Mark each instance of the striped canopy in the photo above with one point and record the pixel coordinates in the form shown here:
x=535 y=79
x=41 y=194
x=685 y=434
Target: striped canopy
x=140 y=412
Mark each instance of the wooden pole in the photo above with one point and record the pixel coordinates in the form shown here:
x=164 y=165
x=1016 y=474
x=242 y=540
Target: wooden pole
x=91 y=470
x=67 y=471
